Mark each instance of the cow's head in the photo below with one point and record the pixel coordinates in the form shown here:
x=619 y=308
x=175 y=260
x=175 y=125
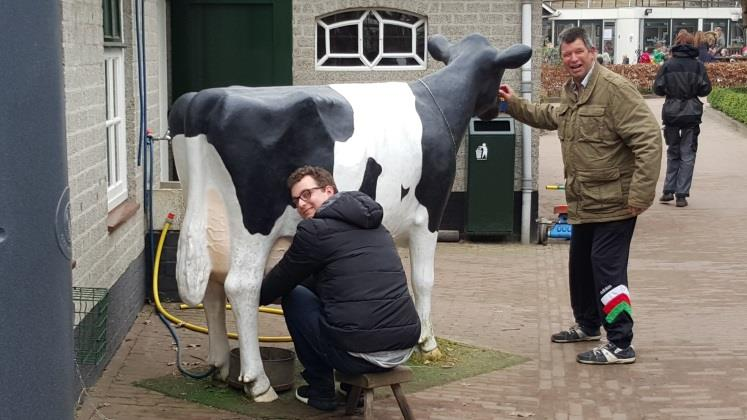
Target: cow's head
x=481 y=61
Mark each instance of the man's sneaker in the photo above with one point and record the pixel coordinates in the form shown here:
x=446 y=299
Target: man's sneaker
x=681 y=202
x=326 y=404
x=607 y=354
x=574 y=334
x=666 y=197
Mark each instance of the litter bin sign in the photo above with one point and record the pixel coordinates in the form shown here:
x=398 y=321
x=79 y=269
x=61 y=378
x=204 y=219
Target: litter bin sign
x=490 y=177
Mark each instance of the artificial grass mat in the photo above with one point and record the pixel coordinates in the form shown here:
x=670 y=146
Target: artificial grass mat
x=459 y=361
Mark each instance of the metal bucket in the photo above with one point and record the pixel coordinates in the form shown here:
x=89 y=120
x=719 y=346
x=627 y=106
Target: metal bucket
x=279 y=365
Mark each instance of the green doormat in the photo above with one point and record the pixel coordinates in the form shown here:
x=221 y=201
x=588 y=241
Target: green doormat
x=460 y=361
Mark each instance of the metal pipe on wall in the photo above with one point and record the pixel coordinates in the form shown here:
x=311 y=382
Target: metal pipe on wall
x=526 y=130
x=37 y=318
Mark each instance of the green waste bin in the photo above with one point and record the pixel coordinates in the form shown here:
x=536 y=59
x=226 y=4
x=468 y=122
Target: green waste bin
x=490 y=177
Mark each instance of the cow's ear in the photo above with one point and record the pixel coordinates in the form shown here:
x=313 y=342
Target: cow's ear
x=513 y=57
x=439 y=46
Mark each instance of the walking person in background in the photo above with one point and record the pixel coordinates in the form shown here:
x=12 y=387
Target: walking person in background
x=681 y=79
x=611 y=146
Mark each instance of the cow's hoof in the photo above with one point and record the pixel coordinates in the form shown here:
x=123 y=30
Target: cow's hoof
x=427 y=343
x=432 y=355
x=222 y=372
x=221 y=361
x=268 y=396
x=260 y=390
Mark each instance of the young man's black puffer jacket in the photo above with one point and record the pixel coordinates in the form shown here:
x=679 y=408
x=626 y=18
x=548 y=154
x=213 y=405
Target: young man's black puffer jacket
x=356 y=272
x=682 y=79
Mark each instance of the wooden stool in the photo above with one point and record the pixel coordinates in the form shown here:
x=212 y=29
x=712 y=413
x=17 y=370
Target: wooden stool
x=368 y=381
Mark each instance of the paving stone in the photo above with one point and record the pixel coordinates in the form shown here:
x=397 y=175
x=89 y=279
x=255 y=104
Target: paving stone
x=687 y=276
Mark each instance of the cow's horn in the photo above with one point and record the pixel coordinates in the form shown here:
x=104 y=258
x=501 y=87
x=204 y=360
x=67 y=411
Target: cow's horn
x=439 y=46
x=513 y=57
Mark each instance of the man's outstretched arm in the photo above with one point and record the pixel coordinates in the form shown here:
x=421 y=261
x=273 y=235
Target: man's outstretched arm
x=537 y=115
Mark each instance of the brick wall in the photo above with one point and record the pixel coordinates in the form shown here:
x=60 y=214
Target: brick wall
x=125 y=301
x=498 y=20
x=102 y=257
x=113 y=260
x=82 y=44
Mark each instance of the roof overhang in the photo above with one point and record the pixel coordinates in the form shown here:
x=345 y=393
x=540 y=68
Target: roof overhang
x=548 y=11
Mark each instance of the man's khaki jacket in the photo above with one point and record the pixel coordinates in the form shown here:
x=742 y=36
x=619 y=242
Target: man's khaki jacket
x=611 y=144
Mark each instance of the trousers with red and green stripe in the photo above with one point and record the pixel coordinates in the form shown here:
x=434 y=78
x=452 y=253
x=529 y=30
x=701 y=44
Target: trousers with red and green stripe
x=598 y=276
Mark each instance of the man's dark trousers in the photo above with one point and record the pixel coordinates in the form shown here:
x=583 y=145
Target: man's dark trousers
x=682 y=146
x=318 y=355
x=598 y=275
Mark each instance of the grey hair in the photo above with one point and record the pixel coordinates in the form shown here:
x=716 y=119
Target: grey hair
x=573 y=33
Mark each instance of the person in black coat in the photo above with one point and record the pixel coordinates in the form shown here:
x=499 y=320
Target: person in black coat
x=344 y=291
x=682 y=79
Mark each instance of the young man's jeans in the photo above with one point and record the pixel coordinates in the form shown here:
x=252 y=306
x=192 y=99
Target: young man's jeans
x=319 y=356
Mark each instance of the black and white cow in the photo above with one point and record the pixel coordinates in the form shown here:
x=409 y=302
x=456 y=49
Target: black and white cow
x=235 y=147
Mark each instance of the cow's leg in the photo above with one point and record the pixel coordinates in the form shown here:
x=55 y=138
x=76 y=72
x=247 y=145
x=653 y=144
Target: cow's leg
x=215 y=313
x=422 y=255
x=242 y=288
x=193 y=263
x=219 y=248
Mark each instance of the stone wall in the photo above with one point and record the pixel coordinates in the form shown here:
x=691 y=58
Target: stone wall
x=108 y=258
x=498 y=20
x=101 y=256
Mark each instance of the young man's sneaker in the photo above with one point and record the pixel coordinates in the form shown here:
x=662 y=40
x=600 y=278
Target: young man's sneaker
x=607 y=354
x=326 y=404
x=575 y=334
x=681 y=202
x=666 y=197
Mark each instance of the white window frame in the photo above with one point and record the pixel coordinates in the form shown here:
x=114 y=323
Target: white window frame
x=115 y=134
x=367 y=65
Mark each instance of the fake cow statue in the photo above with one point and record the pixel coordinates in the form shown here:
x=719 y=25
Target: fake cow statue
x=235 y=147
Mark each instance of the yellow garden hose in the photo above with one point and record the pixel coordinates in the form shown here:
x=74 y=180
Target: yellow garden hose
x=264 y=309
x=198 y=328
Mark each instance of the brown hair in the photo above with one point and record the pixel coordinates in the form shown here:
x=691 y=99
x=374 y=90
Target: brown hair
x=573 y=33
x=683 y=37
x=322 y=176
x=710 y=38
x=699 y=39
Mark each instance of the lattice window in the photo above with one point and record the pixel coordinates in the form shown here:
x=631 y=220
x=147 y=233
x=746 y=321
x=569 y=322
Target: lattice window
x=371 y=39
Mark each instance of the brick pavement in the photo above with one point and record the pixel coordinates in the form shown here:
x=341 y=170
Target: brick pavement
x=687 y=275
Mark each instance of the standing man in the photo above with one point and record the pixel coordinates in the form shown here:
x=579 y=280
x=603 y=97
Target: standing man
x=344 y=292
x=681 y=79
x=611 y=146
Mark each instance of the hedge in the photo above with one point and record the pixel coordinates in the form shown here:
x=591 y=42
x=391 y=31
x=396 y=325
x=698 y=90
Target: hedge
x=730 y=101
x=642 y=76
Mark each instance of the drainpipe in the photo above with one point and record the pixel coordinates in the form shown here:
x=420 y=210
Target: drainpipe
x=38 y=376
x=526 y=130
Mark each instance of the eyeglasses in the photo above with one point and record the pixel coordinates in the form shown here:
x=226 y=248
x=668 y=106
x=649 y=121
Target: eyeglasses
x=305 y=195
